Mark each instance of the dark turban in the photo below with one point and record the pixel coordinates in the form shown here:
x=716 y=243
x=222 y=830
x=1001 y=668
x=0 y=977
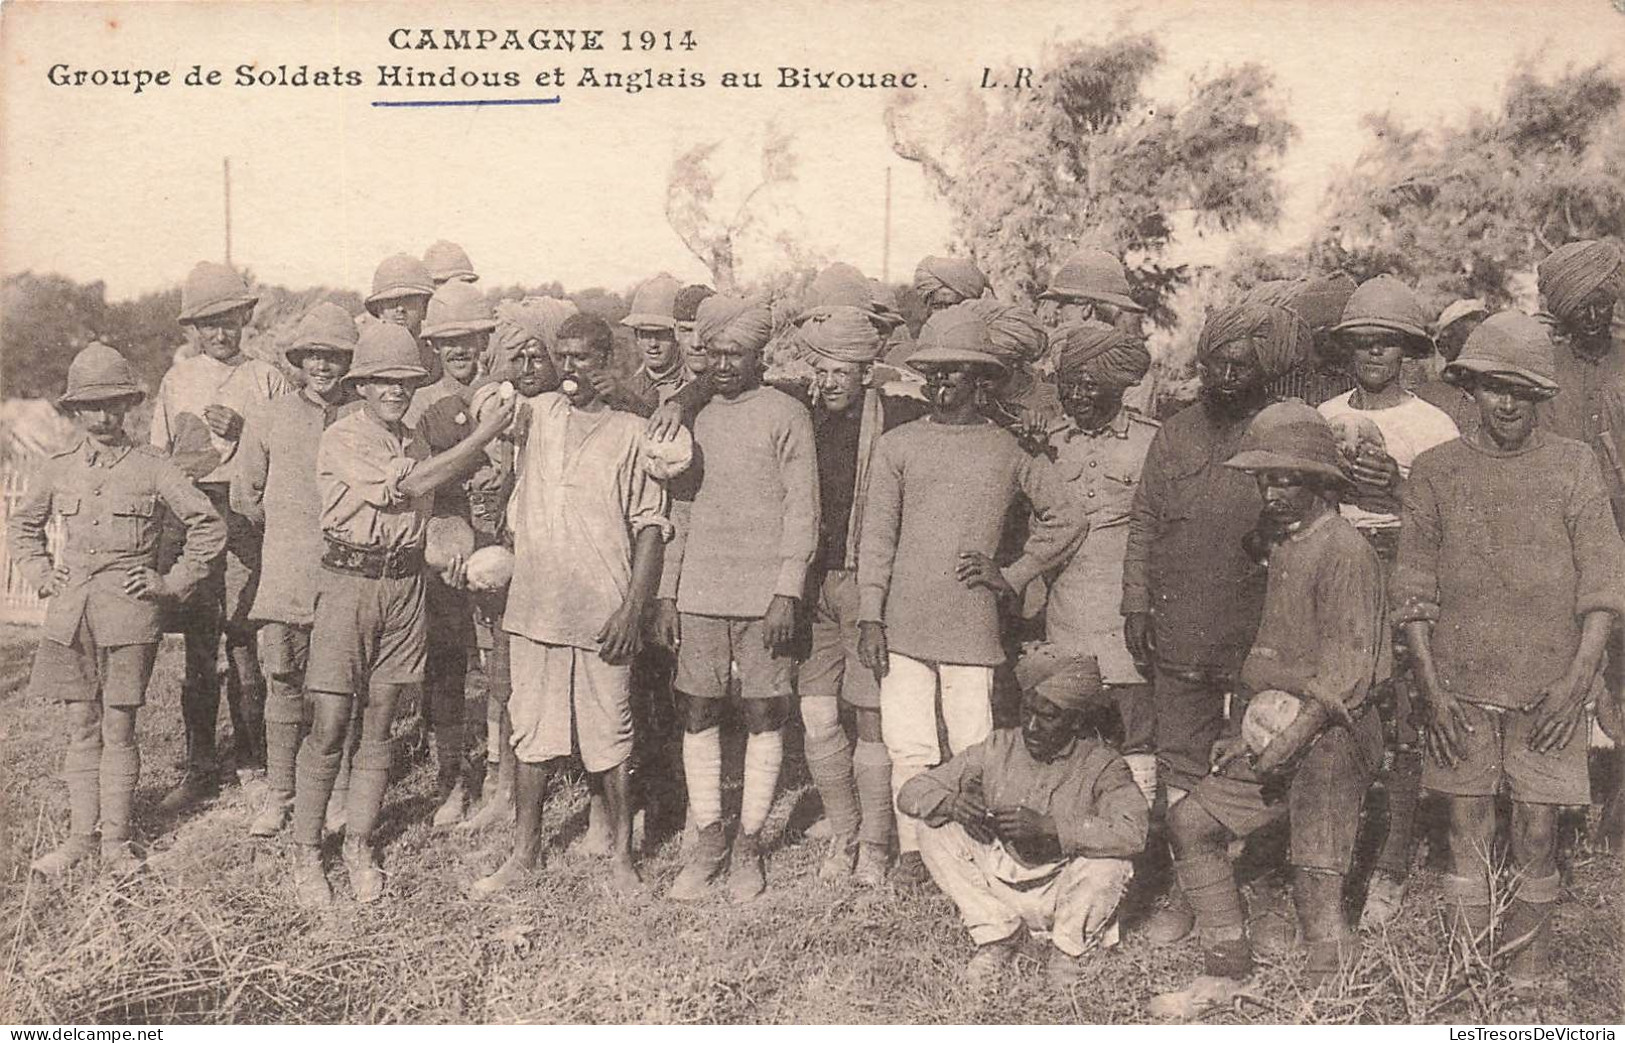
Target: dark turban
x=954 y=273
x=842 y=333
x=1317 y=300
x=1573 y=272
x=1102 y=351
x=746 y=318
x=1279 y=337
x=1015 y=335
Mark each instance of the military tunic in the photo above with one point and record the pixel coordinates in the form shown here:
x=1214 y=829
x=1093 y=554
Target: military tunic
x=109 y=499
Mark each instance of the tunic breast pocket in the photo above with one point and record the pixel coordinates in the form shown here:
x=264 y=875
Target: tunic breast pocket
x=135 y=519
x=1186 y=487
x=65 y=507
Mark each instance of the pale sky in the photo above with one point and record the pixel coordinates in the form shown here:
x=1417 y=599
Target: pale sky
x=101 y=184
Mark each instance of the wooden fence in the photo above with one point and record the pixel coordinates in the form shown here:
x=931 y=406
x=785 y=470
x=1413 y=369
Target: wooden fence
x=21 y=604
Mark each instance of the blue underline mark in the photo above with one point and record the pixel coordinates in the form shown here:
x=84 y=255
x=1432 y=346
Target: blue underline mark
x=463 y=103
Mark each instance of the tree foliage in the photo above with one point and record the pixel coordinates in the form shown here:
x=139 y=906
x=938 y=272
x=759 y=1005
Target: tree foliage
x=715 y=214
x=1087 y=158
x=1462 y=210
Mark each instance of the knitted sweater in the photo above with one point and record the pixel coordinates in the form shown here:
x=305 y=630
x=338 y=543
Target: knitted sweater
x=936 y=490
x=753 y=529
x=1504 y=553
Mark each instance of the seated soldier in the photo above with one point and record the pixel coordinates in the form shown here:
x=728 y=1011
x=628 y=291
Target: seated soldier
x=1320 y=641
x=1033 y=827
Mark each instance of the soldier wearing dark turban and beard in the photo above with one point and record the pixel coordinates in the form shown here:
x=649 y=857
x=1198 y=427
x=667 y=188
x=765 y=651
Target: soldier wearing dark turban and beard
x=1192 y=593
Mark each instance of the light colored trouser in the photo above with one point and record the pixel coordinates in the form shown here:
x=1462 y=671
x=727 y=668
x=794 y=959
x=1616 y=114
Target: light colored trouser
x=908 y=720
x=1075 y=907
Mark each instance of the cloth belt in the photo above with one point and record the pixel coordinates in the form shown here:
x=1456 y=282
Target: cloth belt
x=371 y=562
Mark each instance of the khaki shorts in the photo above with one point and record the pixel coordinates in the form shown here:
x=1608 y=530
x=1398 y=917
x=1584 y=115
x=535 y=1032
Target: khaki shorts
x=711 y=643
x=1321 y=798
x=366 y=629
x=85 y=672
x=1497 y=751
x=567 y=699
x=832 y=667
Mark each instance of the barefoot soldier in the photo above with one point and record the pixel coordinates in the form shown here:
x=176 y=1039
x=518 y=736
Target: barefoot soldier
x=377 y=483
x=275 y=489
x=101 y=628
x=589 y=526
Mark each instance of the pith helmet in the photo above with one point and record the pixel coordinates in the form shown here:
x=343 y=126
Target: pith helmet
x=449 y=262
x=1290 y=436
x=386 y=351
x=1092 y=275
x=955 y=335
x=456 y=309
x=99 y=373
x=326 y=327
x=400 y=276
x=1384 y=303
x=213 y=289
x=654 y=304
x=1510 y=345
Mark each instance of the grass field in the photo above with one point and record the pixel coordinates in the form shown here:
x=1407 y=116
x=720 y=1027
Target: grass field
x=211 y=932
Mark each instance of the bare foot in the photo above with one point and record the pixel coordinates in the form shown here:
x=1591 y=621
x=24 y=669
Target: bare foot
x=515 y=871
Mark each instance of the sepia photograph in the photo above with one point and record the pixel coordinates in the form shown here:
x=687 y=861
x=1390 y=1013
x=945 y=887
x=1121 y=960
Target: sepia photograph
x=936 y=513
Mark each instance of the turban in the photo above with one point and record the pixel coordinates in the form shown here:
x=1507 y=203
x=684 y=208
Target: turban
x=953 y=273
x=1279 y=337
x=747 y=318
x=1317 y=300
x=842 y=333
x=534 y=318
x=1071 y=682
x=1103 y=351
x=1573 y=271
x=1015 y=335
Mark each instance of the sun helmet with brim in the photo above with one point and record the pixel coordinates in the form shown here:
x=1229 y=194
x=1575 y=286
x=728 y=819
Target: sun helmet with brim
x=325 y=327
x=99 y=374
x=212 y=290
x=1290 y=436
x=386 y=352
x=457 y=309
x=400 y=275
x=1092 y=275
x=1509 y=345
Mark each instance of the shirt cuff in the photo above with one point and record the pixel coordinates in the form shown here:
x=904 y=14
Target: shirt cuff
x=1134 y=601
x=792 y=582
x=871 y=604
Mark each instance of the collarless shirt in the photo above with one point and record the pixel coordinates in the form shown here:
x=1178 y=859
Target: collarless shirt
x=275 y=487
